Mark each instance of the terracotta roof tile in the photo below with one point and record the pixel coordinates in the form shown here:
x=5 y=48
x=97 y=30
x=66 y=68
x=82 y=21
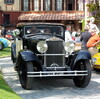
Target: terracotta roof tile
x=51 y=16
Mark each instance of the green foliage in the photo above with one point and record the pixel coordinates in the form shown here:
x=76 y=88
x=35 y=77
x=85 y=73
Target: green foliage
x=83 y=25
x=92 y=7
x=5 y=91
x=94 y=10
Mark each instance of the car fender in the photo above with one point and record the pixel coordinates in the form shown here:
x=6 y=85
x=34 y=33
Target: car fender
x=4 y=41
x=81 y=55
x=13 y=49
x=96 y=57
x=28 y=55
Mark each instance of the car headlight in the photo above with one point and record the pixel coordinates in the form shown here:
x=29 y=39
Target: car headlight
x=94 y=60
x=69 y=46
x=42 y=46
x=16 y=32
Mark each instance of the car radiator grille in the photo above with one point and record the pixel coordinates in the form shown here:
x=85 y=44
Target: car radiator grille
x=55 y=47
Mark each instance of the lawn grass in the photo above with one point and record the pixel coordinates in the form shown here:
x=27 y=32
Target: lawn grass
x=5 y=91
x=5 y=52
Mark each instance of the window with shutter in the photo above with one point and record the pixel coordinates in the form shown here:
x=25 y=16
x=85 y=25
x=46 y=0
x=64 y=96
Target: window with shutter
x=9 y=1
x=70 y=4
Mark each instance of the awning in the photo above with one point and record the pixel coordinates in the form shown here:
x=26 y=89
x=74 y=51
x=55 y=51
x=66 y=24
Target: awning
x=51 y=16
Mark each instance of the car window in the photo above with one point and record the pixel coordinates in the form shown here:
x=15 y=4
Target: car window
x=44 y=29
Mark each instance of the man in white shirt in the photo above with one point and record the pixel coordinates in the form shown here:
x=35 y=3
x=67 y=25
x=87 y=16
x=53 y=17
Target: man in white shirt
x=68 y=36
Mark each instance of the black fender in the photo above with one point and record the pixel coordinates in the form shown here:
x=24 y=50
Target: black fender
x=80 y=55
x=28 y=55
x=83 y=54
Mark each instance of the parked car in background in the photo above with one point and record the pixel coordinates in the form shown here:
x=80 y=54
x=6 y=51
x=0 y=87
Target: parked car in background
x=96 y=59
x=4 y=43
x=9 y=35
x=40 y=51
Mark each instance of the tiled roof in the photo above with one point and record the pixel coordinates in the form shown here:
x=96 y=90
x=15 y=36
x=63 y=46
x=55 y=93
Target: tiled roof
x=51 y=16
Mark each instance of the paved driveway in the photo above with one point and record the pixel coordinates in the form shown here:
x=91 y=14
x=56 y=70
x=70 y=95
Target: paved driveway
x=50 y=89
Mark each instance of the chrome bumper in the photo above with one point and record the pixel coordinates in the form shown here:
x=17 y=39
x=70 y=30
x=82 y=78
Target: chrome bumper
x=57 y=73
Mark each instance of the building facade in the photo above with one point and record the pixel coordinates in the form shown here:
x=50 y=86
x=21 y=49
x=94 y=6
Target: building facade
x=68 y=12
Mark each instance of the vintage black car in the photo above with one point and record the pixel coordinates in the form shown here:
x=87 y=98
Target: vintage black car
x=40 y=51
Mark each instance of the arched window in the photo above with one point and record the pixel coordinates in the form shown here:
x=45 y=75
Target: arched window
x=8 y=1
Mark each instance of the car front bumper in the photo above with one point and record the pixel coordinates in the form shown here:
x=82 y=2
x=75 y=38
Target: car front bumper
x=57 y=73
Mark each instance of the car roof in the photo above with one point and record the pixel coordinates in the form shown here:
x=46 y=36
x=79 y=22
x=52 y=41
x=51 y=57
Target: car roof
x=36 y=23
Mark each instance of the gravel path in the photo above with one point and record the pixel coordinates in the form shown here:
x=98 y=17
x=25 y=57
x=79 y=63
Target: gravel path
x=50 y=89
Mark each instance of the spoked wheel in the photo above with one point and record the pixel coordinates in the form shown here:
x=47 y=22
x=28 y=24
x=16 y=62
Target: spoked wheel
x=82 y=81
x=26 y=82
x=1 y=46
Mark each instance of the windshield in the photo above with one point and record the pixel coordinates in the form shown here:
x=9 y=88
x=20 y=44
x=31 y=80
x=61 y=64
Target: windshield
x=44 y=29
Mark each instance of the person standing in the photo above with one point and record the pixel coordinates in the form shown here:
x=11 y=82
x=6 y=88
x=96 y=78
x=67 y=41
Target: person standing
x=92 y=42
x=84 y=38
x=3 y=31
x=74 y=34
x=93 y=26
x=68 y=36
x=0 y=31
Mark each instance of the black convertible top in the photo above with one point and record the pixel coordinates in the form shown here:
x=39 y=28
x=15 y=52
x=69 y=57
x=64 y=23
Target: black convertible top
x=36 y=23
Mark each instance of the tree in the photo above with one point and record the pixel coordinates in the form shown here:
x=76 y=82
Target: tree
x=94 y=9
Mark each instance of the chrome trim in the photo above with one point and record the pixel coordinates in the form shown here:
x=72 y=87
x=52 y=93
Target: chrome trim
x=55 y=67
x=57 y=73
x=44 y=60
x=50 y=54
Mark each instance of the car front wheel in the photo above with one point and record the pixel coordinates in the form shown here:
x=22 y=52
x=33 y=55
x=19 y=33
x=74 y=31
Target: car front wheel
x=25 y=81
x=82 y=81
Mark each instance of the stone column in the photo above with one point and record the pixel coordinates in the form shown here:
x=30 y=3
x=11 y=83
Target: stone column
x=64 y=5
x=53 y=5
x=41 y=5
